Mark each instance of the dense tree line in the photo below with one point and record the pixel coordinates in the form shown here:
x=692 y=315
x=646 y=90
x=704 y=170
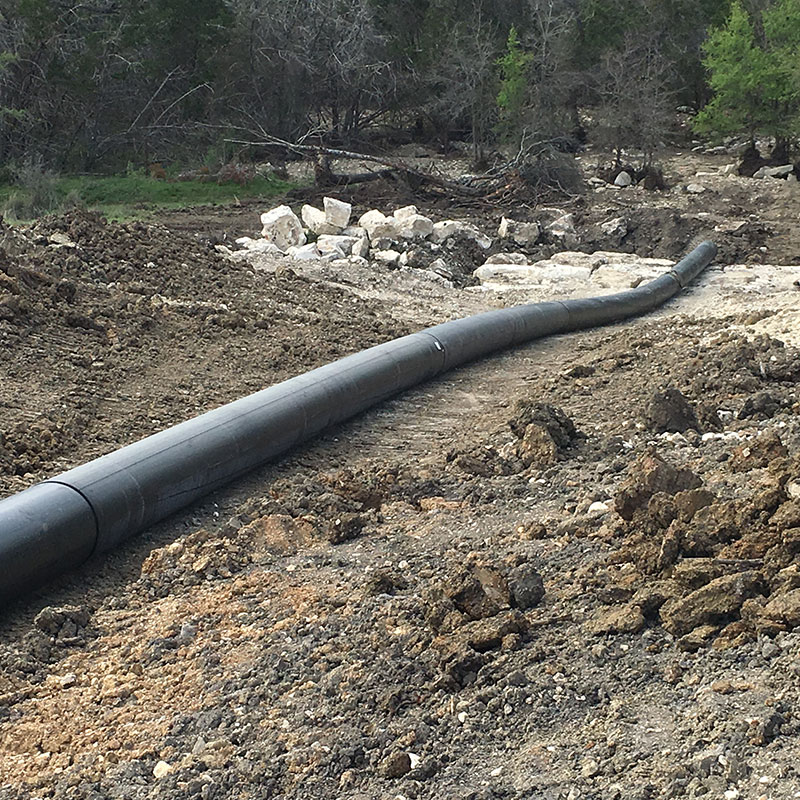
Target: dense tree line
x=95 y=84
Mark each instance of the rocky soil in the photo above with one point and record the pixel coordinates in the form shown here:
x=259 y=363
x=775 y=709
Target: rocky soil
x=569 y=571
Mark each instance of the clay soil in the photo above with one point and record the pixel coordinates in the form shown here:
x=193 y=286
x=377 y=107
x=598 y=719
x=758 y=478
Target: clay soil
x=568 y=571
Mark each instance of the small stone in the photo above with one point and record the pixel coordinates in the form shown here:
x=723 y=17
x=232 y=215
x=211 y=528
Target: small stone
x=590 y=768
x=563 y=232
x=769 y=649
x=784 y=609
x=406 y=213
x=695 y=188
x=526 y=587
x=439 y=266
x=713 y=603
x=626 y=619
x=346 y=244
x=623 y=179
x=70 y=679
x=597 y=509
x=669 y=411
x=415 y=226
x=395 y=765
x=390 y=257
x=780 y=172
x=450 y=227
x=161 y=770
x=615 y=227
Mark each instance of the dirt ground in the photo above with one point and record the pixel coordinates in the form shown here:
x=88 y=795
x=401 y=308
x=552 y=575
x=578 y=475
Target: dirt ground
x=568 y=571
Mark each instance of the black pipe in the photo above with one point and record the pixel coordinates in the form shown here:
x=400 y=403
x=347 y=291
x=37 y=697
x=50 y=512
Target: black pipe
x=57 y=525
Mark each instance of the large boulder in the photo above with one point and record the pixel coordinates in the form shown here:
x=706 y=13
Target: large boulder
x=317 y=222
x=337 y=212
x=446 y=229
x=563 y=231
x=282 y=227
x=379 y=226
x=412 y=224
x=308 y=252
x=518 y=259
x=360 y=248
x=349 y=245
x=519 y=232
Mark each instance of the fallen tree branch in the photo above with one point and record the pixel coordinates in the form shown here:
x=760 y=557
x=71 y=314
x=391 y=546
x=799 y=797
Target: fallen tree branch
x=414 y=176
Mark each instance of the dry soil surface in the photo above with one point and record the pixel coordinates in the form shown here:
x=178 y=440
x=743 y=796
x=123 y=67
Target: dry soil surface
x=568 y=571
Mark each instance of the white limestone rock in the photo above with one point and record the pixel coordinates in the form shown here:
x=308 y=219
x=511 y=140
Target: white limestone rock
x=598 y=509
x=282 y=227
x=406 y=213
x=415 y=226
x=695 y=188
x=345 y=244
x=308 y=252
x=623 y=179
x=360 y=248
x=519 y=232
x=615 y=227
x=440 y=267
x=390 y=257
x=335 y=254
x=518 y=259
x=337 y=212
x=563 y=231
x=259 y=246
x=780 y=172
x=379 y=226
x=349 y=262
x=452 y=227
x=317 y=222
x=583 y=274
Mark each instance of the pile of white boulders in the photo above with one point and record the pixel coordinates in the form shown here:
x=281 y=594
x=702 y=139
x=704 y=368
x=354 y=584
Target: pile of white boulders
x=328 y=234
x=404 y=239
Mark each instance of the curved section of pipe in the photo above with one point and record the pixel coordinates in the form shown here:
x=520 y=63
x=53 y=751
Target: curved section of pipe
x=56 y=525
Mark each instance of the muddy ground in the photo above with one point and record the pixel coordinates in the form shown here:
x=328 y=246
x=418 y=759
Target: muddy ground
x=570 y=571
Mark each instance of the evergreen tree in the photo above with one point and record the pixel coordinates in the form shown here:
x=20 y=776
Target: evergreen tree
x=754 y=78
x=511 y=99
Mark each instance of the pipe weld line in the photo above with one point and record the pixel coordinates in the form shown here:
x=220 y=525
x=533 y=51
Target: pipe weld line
x=91 y=508
x=678 y=278
x=439 y=345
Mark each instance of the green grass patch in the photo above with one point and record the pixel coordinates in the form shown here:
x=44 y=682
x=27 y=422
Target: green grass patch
x=138 y=196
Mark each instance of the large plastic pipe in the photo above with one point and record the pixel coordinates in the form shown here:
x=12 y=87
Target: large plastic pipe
x=57 y=525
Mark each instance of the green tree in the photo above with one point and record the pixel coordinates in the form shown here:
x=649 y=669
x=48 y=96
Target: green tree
x=753 y=74
x=511 y=99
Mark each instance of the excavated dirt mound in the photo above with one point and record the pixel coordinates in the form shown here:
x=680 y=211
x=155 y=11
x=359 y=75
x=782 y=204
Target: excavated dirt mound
x=111 y=332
